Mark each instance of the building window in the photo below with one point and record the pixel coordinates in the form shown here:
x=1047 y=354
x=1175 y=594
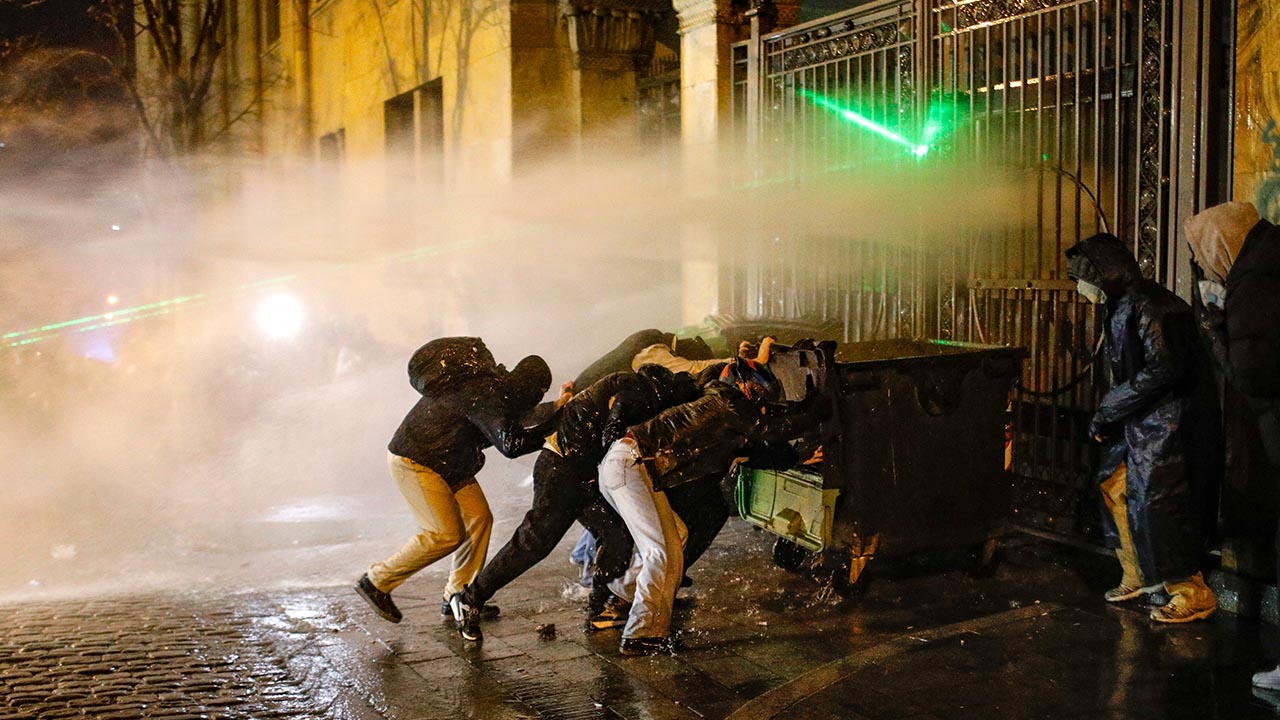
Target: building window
x=414 y=129
x=333 y=146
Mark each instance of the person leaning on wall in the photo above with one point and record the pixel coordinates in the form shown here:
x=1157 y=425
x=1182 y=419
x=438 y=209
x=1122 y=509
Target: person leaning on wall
x=1236 y=260
x=1154 y=475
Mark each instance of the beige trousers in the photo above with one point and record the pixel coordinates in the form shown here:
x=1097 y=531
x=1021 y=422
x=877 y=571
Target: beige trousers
x=1192 y=591
x=457 y=523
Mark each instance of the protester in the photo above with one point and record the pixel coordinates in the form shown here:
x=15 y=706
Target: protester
x=565 y=490
x=1236 y=258
x=468 y=403
x=1149 y=423
x=660 y=348
x=682 y=444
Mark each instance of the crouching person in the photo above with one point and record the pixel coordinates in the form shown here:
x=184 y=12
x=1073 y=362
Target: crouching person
x=679 y=445
x=468 y=403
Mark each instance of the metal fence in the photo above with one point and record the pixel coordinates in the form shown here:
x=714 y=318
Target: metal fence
x=1083 y=102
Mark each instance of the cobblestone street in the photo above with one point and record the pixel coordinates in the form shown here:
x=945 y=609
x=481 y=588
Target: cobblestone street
x=920 y=643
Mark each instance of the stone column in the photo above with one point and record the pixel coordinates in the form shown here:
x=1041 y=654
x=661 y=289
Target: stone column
x=708 y=29
x=609 y=41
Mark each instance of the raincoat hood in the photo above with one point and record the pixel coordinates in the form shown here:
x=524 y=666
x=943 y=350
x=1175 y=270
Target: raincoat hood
x=444 y=361
x=1217 y=234
x=528 y=381
x=1104 y=261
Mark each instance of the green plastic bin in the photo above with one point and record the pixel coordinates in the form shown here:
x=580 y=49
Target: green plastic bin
x=789 y=503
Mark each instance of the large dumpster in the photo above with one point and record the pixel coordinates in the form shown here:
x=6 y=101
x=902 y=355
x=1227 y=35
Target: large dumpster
x=913 y=458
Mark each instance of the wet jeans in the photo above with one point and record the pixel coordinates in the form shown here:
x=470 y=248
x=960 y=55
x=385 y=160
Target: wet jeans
x=656 y=531
x=562 y=493
x=452 y=522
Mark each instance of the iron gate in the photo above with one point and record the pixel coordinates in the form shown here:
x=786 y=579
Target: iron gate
x=1083 y=100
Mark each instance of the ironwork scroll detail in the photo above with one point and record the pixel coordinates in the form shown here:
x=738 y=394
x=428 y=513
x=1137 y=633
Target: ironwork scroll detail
x=985 y=11
x=1151 y=180
x=840 y=41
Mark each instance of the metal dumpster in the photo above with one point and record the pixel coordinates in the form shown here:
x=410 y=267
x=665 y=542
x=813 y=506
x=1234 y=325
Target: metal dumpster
x=913 y=458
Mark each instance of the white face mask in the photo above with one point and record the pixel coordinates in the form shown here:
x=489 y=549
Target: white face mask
x=1091 y=292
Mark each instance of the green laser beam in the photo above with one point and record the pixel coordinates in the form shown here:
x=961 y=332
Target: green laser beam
x=122 y=316
x=866 y=123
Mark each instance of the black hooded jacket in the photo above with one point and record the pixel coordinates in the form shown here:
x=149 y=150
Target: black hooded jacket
x=701 y=438
x=597 y=416
x=468 y=403
x=1153 y=417
x=1253 y=314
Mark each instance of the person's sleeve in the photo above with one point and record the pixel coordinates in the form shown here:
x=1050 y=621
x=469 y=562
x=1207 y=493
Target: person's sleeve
x=504 y=429
x=662 y=355
x=1163 y=370
x=784 y=422
x=772 y=456
x=1212 y=324
x=625 y=409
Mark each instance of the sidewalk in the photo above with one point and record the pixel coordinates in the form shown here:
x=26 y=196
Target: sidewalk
x=1032 y=642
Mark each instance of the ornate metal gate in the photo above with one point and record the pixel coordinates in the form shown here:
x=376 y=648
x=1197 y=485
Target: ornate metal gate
x=1090 y=104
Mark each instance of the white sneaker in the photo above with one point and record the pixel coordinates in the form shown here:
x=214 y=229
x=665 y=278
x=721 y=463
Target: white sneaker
x=1268 y=679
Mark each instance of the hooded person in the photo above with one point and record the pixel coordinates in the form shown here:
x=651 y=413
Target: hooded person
x=1236 y=255
x=649 y=347
x=564 y=487
x=468 y=403
x=1148 y=424
x=680 y=445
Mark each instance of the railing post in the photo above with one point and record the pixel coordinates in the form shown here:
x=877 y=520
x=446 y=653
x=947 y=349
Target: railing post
x=763 y=16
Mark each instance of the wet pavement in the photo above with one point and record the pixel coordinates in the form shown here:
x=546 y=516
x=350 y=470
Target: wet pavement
x=923 y=640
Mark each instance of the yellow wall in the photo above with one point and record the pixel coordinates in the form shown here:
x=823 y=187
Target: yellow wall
x=1257 y=134
x=366 y=52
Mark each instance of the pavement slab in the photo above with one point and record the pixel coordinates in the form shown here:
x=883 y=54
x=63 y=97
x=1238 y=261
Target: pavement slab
x=1033 y=641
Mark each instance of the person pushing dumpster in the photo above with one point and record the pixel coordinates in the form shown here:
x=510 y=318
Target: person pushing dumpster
x=733 y=418
x=468 y=403
x=1148 y=424
x=564 y=488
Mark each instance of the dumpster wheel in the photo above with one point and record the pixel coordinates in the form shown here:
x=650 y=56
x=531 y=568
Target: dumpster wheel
x=986 y=557
x=847 y=573
x=791 y=556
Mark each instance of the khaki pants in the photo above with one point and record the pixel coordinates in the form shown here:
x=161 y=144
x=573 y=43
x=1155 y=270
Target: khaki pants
x=457 y=523
x=1191 y=591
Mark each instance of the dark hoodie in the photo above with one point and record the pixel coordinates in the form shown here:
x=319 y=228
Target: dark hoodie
x=600 y=414
x=1152 y=417
x=468 y=403
x=702 y=438
x=1245 y=335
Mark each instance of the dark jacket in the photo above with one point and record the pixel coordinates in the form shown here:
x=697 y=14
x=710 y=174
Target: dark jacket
x=1153 y=417
x=703 y=437
x=467 y=405
x=597 y=416
x=1252 y=320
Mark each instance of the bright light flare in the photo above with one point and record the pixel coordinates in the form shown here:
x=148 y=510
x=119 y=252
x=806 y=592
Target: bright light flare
x=864 y=122
x=280 y=316
x=113 y=299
